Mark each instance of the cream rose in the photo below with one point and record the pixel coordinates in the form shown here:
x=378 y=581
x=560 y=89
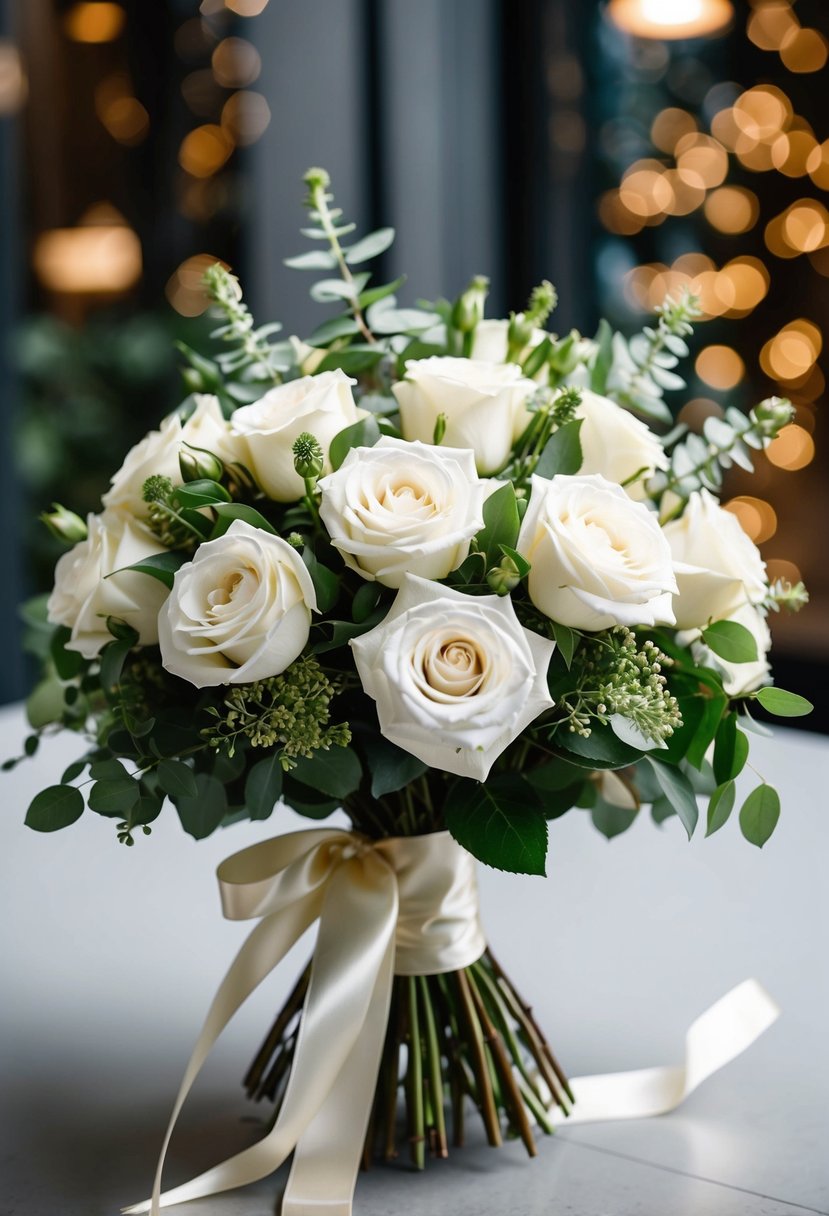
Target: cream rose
x=491 y=343
x=403 y=507
x=323 y=405
x=718 y=568
x=239 y=611
x=157 y=453
x=737 y=678
x=598 y=559
x=481 y=401
x=83 y=596
x=617 y=445
x=456 y=678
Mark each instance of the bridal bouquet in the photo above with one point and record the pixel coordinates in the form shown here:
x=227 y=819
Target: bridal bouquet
x=454 y=576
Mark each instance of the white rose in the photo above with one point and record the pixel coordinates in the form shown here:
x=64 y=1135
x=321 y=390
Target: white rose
x=718 y=568
x=239 y=611
x=157 y=453
x=737 y=678
x=323 y=405
x=598 y=558
x=403 y=507
x=617 y=445
x=83 y=597
x=456 y=678
x=481 y=401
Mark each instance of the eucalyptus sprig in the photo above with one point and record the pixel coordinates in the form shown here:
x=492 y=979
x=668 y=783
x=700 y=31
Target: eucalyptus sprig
x=254 y=358
x=697 y=461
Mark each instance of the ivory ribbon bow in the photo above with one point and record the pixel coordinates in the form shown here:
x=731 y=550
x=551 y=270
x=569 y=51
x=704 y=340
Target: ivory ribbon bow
x=406 y=906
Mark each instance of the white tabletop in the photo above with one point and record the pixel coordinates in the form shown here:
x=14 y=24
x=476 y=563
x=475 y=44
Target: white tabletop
x=109 y=957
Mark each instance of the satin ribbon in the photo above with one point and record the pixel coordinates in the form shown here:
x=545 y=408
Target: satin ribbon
x=408 y=906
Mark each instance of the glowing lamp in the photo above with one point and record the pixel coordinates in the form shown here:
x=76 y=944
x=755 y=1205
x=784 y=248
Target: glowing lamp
x=669 y=19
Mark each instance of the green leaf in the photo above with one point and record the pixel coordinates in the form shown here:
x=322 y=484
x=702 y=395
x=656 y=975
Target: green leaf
x=352 y=360
x=709 y=723
x=678 y=790
x=45 y=703
x=336 y=772
x=601 y=749
x=611 y=820
x=370 y=246
x=315 y=259
x=661 y=810
x=555 y=803
x=162 y=566
x=390 y=766
x=536 y=359
x=56 y=807
x=336 y=327
x=114 y=798
x=263 y=787
x=720 y=806
x=228 y=511
x=556 y=775
x=367 y=298
x=200 y=493
x=366 y=599
x=68 y=663
x=200 y=816
x=731 y=641
x=566 y=642
x=402 y=320
x=177 y=779
x=108 y=770
x=362 y=434
x=146 y=810
x=306 y=801
x=500 y=822
x=501 y=524
x=759 y=814
x=521 y=564
x=113 y=658
x=603 y=361
x=72 y=771
x=326 y=583
x=562 y=451
x=783 y=704
x=730 y=750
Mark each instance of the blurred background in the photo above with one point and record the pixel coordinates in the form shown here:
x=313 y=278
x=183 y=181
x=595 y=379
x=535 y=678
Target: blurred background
x=622 y=149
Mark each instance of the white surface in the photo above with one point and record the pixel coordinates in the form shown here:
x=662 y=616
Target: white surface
x=110 y=956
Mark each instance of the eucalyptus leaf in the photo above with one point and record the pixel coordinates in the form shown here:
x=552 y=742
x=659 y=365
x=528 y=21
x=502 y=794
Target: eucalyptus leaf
x=201 y=815
x=782 y=703
x=336 y=772
x=720 y=806
x=177 y=779
x=562 y=451
x=390 y=766
x=263 y=786
x=370 y=246
x=731 y=641
x=56 y=807
x=114 y=799
x=759 y=814
x=678 y=790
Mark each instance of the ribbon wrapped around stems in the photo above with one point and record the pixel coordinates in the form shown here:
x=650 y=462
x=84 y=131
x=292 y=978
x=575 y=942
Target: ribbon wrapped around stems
x=406 y=906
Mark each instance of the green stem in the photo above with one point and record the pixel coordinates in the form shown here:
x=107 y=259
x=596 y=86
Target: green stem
x=434 y=1066
x=320 y=205
x=417 y=1140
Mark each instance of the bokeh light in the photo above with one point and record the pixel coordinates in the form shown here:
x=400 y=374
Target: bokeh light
x=720 y=367
x=96 y=21
x=732 y=209
x=757 y=517
x=236 y=63
x=205 y=150
x=185 y=288
x=101 y=256
x=793 y=448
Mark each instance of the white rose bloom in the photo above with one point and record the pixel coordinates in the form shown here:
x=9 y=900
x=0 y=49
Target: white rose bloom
x=737 y=678
x=239 y=611
x=598 y=558
x=402 y=508
x=157 y=452
x=456 y=678
x=83 y=597
x=323 y=405
x=616 y=444
x=718 y=568
x=482 y=403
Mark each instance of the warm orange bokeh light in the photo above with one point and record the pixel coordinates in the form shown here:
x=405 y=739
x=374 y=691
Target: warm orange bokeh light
x=205 y=150
x=720 y=366
x=101 y=256
x=757 y=517
x=732 y=209
x=245 y=116
x=770 y=23
x=677 y=19
x=185 y=288
x=793 y=448
x=236 y=63
x=670 y=126
x=94 y=22
x=804 y=50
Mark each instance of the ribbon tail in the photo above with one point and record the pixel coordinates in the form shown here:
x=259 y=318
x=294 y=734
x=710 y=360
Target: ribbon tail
x=264 y=948
x=357 y=923
x=716 y=1038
